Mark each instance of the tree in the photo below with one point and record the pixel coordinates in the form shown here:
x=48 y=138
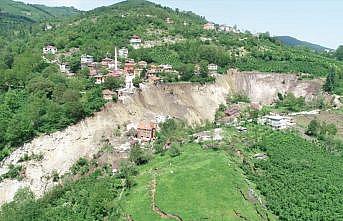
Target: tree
x=138 y=155
x=313 y=128
x=339 y=53
x=113 y=83
x=329 y=85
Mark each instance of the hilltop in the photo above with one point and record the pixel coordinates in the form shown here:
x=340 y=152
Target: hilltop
x=33 y=12
x=298 y=43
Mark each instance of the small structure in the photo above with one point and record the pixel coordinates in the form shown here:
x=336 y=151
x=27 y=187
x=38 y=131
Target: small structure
x=169 y=21
x=277 y=121
x=146 y=131
x=212 y=68
x=64 y=68
x=154 y=79
x=86 y=60
x=129 y=66
x=49 y=49
x=209 y=26
x=215 y=135
x=47 y=27
x=233 y=111
x=123 y=53
x=108 y=94
x=166 y=67
x=261 y=156
x=99 y=79
x=106 y=61
x=136 y=42
x=143 y=64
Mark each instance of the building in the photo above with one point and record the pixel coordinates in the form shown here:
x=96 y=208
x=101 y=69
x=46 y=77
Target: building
x=123 y=53
x=143 y=64
x=166 y=67
x=278 y=122
x=64 y=68
x=169 y=21
x=47 y=27
x=209 y=26
x=226 y=28
x=129 y=66
x=106 y=61
x=108 y=94
x=49 y=50
x=136 y=42
x=86 y=60
x=212 y=68
x=146 y=131
x=233 y=111
x=99 y=79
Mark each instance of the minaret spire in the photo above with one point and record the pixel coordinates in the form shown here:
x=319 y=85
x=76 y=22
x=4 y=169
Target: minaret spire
x=115 y=59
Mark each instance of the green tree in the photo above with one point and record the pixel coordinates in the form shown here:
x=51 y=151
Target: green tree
x=329 y=85
x=339 y=53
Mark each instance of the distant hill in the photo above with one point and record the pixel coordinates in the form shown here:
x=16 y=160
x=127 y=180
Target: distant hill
x=290 y=41
x=13 y=9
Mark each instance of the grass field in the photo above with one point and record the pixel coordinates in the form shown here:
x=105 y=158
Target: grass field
x=199 y=184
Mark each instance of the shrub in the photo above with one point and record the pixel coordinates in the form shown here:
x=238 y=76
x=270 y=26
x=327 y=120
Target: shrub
x=174 y=151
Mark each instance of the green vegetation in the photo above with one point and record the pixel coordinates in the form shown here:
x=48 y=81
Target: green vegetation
x=14 y=172
x=300 y=180
x=90 y=198
x=317 y=129
x=290 y=103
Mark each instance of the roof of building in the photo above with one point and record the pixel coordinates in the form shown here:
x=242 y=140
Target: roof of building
x=108 y=92
x=143 y=125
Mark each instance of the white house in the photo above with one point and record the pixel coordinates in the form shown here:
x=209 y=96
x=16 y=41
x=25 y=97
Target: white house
x=64 y=68
x=123 y=53
x=49 y=50
x=136 y=42
x=87 y=59
x=212 y=68
x=277 y=121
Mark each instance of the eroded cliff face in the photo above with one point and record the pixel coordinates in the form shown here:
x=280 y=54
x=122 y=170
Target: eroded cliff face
x=193 y=103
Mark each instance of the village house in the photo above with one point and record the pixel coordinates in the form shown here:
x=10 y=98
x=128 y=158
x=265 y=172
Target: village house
x=64 y=68
x=123 y=53
x=47 y=27
x=129 y=66
x=105 y=62
x=146 y=131
x=277 y=121
x=142 y=64
x=108 y=94
x=86 y=60
x=209 y=26
x=137 y=72
x=136 y=42
x=169 y=21
x=115 y=73
x=99 y=79
x=113 y=64
x=226 y=28
x=212 y=69
x=152 y=79
x=166 y=67
x=49 y=49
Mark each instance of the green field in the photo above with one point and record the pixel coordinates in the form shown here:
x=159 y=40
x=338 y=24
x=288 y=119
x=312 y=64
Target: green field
x=197 y=184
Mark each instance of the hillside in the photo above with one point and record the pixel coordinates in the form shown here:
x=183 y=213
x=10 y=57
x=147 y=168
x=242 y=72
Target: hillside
x=298 y=43
x=73 y=120
x=34 y=12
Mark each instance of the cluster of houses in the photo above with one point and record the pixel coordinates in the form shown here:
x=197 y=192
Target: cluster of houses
x=210 y=26
x=278 y=122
